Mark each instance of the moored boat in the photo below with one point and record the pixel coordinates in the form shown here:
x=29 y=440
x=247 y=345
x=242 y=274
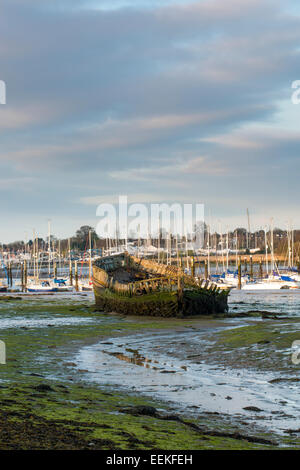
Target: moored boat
x=272 y=283
x=61 y=285
x=85 y=286
x=43 y=286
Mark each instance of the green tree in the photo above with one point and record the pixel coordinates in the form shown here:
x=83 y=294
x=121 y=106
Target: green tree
x=82 y=237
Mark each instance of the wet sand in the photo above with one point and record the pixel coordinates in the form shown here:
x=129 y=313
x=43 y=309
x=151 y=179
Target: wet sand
x=107 y=381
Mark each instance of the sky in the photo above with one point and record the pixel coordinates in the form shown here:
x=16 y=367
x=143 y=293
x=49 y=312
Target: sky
x=163 y=101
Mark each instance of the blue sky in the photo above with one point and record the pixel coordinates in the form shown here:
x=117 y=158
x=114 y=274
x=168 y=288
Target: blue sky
x=171 y=101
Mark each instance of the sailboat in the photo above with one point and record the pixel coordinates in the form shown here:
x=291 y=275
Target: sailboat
x=231 y=278
x=291 y=271
x=87 y=284
x=42 y=286
x=61 y=285
x=37 y=285
x=3 y=287
x=275 y=280
x=272 y=282
x=294 y=274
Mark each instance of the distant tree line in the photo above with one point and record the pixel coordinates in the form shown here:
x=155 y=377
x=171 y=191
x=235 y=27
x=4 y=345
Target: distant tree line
x=80 y=241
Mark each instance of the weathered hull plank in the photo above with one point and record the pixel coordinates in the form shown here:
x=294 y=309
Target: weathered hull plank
x=160 y=290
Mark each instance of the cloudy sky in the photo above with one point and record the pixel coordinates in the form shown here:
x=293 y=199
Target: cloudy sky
x=165 y=101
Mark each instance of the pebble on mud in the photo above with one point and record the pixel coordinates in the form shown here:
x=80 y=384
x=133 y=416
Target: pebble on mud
x=141 y=410
x=252 y=408
x=44 y=388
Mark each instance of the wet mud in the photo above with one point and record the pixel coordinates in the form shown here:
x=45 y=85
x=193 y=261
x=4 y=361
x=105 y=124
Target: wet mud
x=80 y=379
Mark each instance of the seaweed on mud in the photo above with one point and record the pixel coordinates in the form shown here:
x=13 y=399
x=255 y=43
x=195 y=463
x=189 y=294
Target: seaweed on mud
x=44 y=404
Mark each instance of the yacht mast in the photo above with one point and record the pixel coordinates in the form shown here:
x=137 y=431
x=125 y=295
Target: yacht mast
x=49 y=247
x=227 y=249
x=208 y=250
x=266 y=248
x=292 y=235
x=288 y=233
x=90 y=263
x=236 y=249
x=272 y=247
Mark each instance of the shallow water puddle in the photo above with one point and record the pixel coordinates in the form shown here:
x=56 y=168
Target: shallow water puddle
x=148 y=364
x=23 y=322
x=277 y=302
x=40 y=311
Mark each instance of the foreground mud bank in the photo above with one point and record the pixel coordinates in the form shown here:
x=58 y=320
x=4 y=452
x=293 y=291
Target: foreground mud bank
x=54 y=416
x=48 y=402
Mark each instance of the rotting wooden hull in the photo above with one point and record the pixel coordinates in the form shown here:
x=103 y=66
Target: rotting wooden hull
x=166 y=297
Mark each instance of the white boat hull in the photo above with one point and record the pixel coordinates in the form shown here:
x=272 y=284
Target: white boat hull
x=270 y=285
x=39 y=288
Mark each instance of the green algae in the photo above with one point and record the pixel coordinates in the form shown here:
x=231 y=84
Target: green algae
x=262 y=345
x=259 y=333
x=97 y=420
x=74 y=414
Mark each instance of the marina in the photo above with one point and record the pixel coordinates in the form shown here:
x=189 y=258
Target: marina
x=264 y=259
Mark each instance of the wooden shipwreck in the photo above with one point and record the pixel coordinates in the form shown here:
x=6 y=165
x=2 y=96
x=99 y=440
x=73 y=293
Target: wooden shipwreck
x=133 y=286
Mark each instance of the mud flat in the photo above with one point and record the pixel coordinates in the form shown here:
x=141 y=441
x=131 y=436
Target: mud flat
x=178 y=384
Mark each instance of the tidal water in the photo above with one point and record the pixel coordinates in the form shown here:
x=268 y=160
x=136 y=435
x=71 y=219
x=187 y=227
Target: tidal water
x=284 y=302
x=160 y=364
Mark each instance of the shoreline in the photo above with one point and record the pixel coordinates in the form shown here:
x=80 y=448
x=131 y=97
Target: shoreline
x=47 y=403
